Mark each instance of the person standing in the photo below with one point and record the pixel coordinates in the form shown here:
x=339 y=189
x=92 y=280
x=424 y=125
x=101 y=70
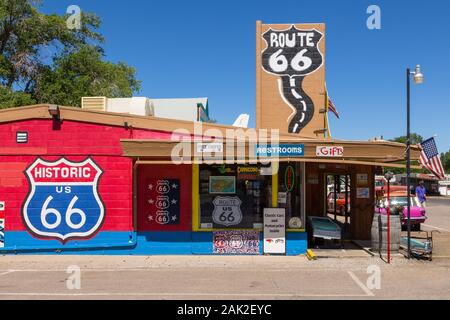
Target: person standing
x=421 y=194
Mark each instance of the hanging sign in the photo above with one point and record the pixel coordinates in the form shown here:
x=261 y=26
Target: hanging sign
x=212 y=147
x=274 y=230
x=164 y=201
x=63 y=200
x=289 y=178
x=281 y=150
x=330 y=151
x=227 y=211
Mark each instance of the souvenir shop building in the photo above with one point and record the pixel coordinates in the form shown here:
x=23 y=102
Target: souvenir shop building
x=78 y=180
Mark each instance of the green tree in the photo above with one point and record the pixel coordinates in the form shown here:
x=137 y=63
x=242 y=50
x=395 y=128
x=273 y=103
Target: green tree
x=415 y=139
x=38 y=50
x=445 y=159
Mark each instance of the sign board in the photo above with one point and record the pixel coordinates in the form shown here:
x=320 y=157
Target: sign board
x=212 y=147
x=362 y=193
x=163 y=201
x=274 y=231
x=227 y=211
x=330 y=151
x=290 y=78
x=282 y=197
x=281 y=150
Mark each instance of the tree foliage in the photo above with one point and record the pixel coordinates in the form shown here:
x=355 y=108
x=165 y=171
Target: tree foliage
x=415 y=139
x=445 y=159
x=43 y=61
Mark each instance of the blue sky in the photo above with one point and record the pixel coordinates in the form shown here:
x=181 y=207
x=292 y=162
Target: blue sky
x=207 y=48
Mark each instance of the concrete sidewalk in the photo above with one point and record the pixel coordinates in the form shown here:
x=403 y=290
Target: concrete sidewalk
x=220 y=277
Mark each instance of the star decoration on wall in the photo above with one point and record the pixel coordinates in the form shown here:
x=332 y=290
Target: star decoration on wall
x=174 y=201
x=174 y=186
x=150 y=187
x=151 y=201
x=150 y=217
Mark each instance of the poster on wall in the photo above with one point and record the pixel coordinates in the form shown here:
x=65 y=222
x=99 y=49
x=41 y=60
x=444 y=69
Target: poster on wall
x=227 y=211
x=163 y=198
x=236 y=242
x=2 y=231
x=222 y=184
x=362 y=193
x=362 y=179
x=274 y=231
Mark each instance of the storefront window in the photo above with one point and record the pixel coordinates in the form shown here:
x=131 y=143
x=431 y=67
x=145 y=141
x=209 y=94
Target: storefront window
x=290 y=194
x=233 y=196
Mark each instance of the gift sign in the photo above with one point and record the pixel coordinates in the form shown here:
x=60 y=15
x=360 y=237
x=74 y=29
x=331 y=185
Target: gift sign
x=163 y=198
x=330 y=151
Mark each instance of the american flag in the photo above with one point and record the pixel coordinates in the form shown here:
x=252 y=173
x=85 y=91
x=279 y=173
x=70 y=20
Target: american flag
x=332 y=108
x=429 y=158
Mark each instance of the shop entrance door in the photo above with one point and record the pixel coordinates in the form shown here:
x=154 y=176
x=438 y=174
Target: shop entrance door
x=337 y=205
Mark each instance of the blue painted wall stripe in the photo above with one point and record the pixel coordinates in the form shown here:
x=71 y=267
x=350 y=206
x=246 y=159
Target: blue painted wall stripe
x=131 y=243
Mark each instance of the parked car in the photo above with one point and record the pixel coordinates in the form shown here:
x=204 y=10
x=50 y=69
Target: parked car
x=399 y=203
x=340 y=203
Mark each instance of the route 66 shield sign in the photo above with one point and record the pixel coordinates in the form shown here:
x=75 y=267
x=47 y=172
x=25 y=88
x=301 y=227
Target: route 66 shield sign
x=63 y=201
x=227 y=211
x=292 y=52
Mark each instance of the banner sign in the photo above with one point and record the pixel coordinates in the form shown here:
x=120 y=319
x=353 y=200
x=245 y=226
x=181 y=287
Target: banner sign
x=281 y=150
x=330 y=151
x=63 y=201
x=236 y=242
x=211 y=147
x=164 y=201
x=274 y=230
x=227 y=211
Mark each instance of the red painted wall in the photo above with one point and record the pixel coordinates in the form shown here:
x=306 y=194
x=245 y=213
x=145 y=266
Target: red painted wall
x=75 y=141
x=181 y=172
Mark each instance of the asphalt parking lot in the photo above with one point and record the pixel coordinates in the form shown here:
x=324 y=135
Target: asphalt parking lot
x=342 y=275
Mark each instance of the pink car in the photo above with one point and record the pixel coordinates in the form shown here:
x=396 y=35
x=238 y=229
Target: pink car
x=399 y=200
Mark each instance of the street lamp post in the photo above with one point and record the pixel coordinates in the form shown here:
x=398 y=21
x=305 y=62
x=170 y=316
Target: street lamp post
x=418 y=79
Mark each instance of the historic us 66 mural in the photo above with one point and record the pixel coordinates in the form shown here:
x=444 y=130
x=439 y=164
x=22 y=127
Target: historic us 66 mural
x=63 y=201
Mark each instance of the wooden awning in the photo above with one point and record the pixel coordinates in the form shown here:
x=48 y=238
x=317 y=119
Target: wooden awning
x=375 y=153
